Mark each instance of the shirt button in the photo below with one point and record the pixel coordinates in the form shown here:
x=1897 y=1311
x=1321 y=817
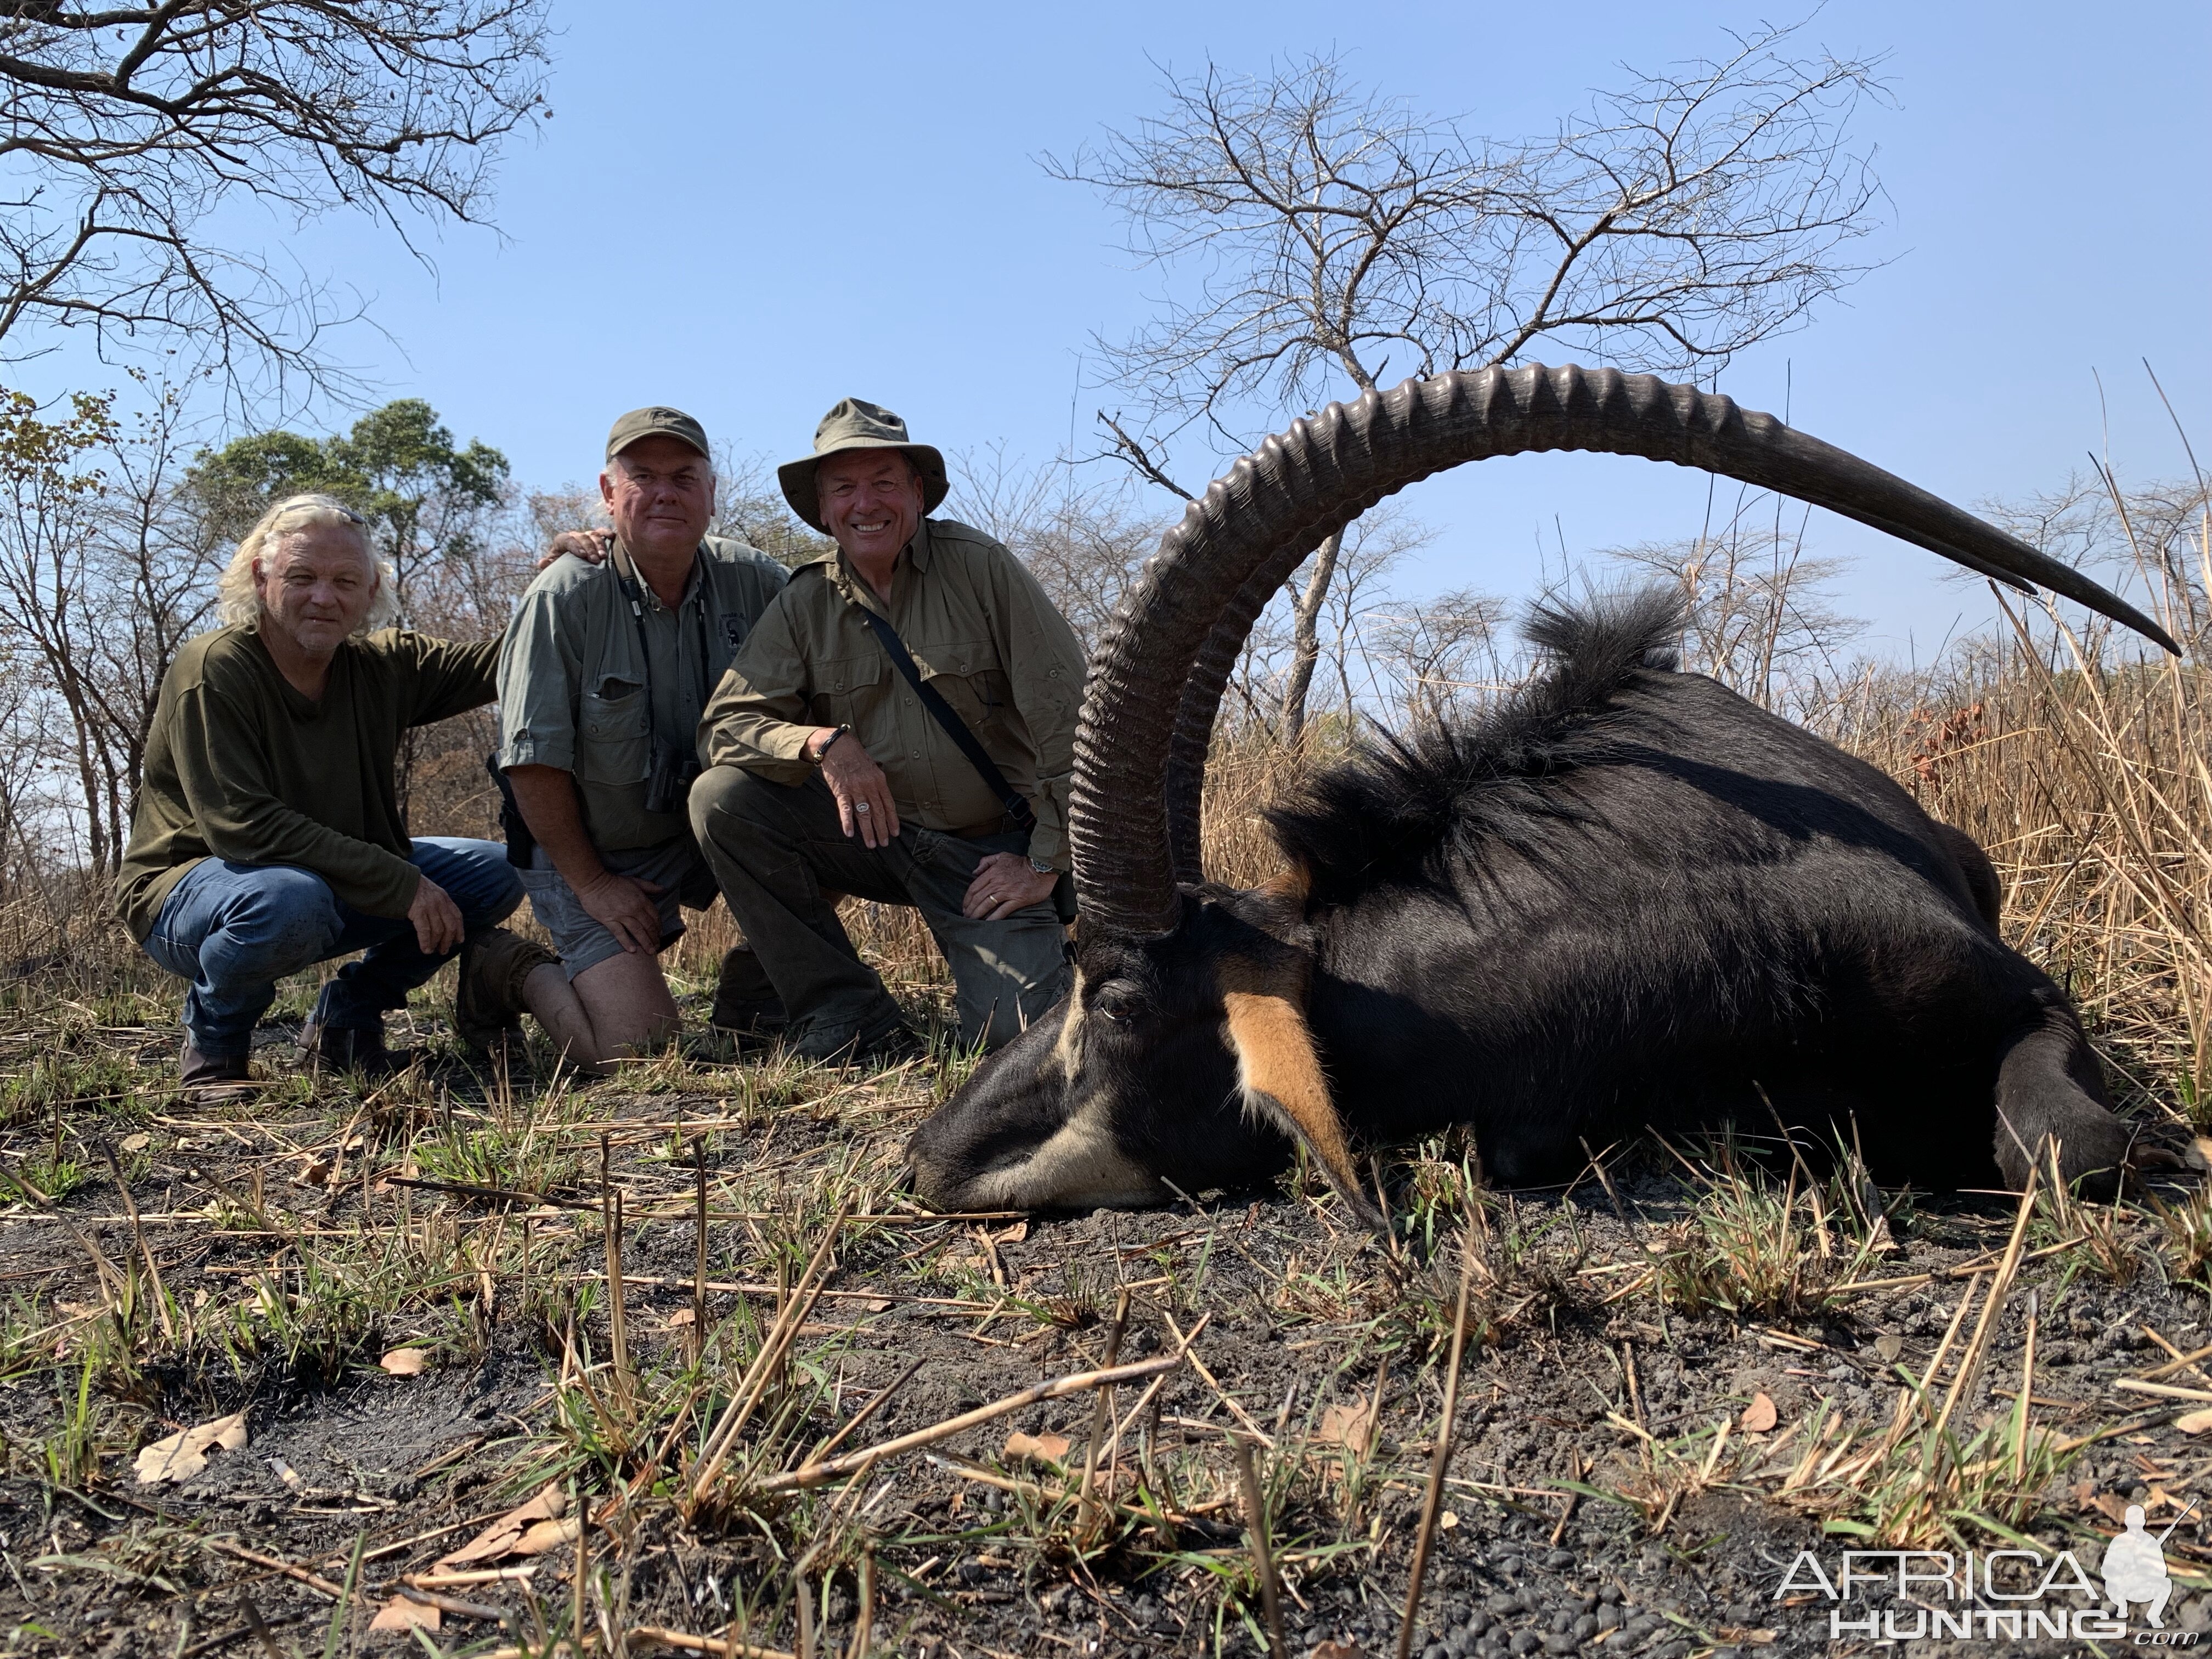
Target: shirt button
x=909 y=702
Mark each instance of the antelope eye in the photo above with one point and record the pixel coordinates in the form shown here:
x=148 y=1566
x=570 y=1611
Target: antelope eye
x=1119 y=1007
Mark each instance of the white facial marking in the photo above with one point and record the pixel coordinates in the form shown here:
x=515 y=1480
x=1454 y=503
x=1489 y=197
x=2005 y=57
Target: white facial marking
x=1079 y=1168
x=1069 y=1047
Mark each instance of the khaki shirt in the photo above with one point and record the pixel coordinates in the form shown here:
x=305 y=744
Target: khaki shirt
x=979 y=629
x=574 y=678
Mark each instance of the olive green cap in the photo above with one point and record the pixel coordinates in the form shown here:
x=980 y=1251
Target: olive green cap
x=658 y=421
x=853 y=424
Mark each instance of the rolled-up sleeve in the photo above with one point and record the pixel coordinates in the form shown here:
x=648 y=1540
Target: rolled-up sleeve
x=759 y=718
x=1045 y=671
x=540 y=668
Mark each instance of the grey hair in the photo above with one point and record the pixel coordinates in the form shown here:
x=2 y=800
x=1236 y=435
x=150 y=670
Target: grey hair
x=236 y=597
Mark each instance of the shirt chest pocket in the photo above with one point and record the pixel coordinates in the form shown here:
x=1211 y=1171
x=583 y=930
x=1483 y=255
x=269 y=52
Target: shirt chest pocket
x=614 y=734
x=848 y=691
x=969 y=677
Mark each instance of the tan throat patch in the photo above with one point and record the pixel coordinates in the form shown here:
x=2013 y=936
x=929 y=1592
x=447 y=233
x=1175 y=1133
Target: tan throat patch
x=1279 y=1071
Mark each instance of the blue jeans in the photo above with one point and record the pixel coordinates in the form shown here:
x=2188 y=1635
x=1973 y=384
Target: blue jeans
x=234 y=930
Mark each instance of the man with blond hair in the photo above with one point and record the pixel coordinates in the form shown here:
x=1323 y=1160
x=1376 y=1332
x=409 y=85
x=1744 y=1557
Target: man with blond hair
x=268 y=836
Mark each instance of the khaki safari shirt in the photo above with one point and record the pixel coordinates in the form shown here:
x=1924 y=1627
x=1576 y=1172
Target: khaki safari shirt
x=978 y=628
x=574 y=692
x=240 y=764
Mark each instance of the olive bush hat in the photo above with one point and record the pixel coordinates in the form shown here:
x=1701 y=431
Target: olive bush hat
x=853 y=424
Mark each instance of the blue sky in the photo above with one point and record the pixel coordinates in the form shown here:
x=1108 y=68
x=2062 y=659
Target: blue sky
x=751 y=211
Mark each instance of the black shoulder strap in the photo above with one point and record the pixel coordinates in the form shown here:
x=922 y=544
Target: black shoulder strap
x=1010 y=798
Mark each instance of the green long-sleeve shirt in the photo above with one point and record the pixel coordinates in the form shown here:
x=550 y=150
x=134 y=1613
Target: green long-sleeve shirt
x=240 y=766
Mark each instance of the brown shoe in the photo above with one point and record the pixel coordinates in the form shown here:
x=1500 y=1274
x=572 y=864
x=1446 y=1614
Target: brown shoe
x=488 y=1003
x=351 y=1049
x=744 y=1000
x=215 y=1079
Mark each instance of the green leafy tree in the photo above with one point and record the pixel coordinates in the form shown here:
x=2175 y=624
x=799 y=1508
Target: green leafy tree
x=433 y=507
x=429 y=499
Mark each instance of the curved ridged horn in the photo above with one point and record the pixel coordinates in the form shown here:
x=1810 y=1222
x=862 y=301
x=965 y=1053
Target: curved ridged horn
x=1137 y=752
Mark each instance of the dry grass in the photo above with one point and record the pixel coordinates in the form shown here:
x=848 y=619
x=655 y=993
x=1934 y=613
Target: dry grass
x=2085 y=775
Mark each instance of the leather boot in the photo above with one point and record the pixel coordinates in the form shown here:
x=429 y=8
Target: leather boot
x=745 y=1001
x=215 y=1079
x=351 y=1049
x=488 y=1004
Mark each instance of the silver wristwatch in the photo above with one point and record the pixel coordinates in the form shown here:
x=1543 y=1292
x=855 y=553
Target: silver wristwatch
x=1043 y=868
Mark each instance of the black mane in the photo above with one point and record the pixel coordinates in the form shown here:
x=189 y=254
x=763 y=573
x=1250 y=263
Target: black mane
x=1383 y=815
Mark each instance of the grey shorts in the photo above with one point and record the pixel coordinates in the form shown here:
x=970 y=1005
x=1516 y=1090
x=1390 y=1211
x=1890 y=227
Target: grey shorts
x=584 y=942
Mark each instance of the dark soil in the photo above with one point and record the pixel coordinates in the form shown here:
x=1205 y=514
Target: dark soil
x=1299 y=1316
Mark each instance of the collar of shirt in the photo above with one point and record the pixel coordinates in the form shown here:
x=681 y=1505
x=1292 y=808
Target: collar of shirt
x=645 y=589
x=847 y=580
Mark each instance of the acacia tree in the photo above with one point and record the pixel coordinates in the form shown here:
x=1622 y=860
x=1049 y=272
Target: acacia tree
x=1318 y=236
x=433 y=507
x=123 y=127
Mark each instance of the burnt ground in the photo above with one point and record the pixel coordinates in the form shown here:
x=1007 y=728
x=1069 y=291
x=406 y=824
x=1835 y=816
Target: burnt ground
x=1590 y=1503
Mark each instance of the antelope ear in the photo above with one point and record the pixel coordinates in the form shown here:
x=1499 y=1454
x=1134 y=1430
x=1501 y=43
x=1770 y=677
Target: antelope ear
x=1281 y=1077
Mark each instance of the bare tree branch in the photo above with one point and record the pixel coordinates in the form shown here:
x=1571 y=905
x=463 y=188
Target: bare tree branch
x=1319 y=236
x=114 y=152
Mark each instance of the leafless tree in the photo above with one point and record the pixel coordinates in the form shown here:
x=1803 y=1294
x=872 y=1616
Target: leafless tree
x=107 y=565
x=748 y=504
x=2157 y=534
x=1758 y=614
x=1083 y=541
x=156 y=555
x=123 y=127
x=1318 y=236
x=1441 y=655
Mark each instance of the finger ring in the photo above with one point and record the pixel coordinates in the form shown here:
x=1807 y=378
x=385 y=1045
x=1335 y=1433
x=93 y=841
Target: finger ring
x=860 y=806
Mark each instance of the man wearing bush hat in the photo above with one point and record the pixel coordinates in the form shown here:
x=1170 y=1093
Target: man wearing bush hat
x=900 y=726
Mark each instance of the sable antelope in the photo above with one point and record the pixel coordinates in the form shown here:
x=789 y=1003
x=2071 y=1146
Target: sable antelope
x=1626 y=897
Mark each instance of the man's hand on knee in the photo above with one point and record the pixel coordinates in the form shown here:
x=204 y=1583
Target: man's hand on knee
x=1004 y=884
x=624 y=906
x=437 y=919
x=863 y=792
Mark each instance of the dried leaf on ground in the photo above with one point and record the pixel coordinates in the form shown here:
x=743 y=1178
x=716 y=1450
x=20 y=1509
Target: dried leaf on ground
x=545 y=1535
x=2194 y=1422
x=1759 y=1416
x=1040 y=1448
x=1349 y=1426
x=137 y=1143
x=505 y=1535
x=1337 y=1651
x=185 y=1454
x=405 y=1362
x=401 y=1614
x=678 y=1320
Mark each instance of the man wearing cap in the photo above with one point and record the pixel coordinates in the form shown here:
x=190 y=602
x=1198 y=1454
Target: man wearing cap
x=939 y=781
x=603 y=676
